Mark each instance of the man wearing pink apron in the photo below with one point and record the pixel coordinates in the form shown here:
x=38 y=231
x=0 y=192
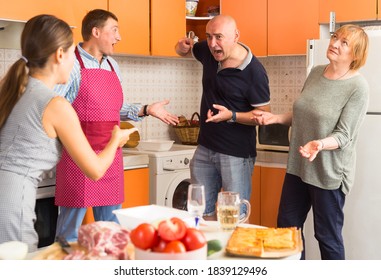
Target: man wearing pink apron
x=98 y=88
x=95 y=91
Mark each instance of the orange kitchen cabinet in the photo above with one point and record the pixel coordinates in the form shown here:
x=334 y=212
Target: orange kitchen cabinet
x=134 y=26
x=348 y=10
x=275 y=27
x=255 y=200
x=167 y=26
x=136 y=187
x=267 y=183
x=133 y=20
x=271 y=188
x=23 y=10
x=79 y=10
x=251 y=18
x=136 y=191
x=290 y=24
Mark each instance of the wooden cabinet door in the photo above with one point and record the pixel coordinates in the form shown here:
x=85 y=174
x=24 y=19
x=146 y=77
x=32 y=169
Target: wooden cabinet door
x=251 y=18
x=271 y=189
x=136 y=191
x=136 y=187
x=290 y=24
x=255 y=200
x=348 y=10
x=79 y=10
x=133 y=18
x=167 y=26
x=23 y=10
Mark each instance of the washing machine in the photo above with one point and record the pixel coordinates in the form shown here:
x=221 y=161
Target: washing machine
x=169 y=175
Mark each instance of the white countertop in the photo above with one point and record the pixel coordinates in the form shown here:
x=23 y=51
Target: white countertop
x=133 y=158
x=271 y=158
x=131 y=161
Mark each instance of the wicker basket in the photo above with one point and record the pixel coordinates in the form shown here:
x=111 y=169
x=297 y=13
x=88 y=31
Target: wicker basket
x=188 y=134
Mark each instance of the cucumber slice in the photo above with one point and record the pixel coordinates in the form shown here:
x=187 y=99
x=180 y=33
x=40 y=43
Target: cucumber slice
x=214 y=246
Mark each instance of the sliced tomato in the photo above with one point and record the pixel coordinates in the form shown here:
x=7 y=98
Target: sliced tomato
x=160 y=246
x=144 y=236
x=175 y=246
x=172 y=229
x=194 y=239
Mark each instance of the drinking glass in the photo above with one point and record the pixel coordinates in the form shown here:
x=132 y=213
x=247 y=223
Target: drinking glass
x=196 y=201
x=228 y=210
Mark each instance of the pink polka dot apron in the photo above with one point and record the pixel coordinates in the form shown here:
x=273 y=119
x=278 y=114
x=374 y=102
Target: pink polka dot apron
x=98 y=104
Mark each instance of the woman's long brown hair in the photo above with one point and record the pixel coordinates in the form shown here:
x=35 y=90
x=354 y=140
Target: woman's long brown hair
x=41 y=37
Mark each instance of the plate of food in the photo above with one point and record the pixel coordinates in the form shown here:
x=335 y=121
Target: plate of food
x=265 y=242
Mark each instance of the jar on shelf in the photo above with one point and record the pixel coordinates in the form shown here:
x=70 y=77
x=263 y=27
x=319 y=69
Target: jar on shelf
x=191 y=7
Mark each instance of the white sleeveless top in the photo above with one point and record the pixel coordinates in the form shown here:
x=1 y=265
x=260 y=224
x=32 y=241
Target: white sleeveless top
x=25 y=152
x=25 y=148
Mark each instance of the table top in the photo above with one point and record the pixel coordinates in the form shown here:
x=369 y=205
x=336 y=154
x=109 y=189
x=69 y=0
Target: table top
x=212 y=231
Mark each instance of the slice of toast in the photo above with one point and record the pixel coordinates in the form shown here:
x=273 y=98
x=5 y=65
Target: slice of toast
x=265 y=242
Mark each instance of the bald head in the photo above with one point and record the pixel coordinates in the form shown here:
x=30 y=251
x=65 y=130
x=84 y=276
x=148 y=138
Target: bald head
x=223 y=19
x=226 y=23
x=222 y=36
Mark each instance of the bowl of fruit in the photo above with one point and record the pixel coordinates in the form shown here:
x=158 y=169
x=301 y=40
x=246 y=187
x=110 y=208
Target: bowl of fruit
x=170 y=239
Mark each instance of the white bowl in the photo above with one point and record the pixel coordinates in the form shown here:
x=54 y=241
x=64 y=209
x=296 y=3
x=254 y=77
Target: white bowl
x=199 y=254
x=13 y=250
x=155 y=145
x=131 y=217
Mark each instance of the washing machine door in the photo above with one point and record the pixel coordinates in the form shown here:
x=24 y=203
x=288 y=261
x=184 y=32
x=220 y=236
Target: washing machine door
x=177 y=194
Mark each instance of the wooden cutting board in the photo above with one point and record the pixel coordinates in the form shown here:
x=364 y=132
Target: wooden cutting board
x=134 y=137
x=55 y=252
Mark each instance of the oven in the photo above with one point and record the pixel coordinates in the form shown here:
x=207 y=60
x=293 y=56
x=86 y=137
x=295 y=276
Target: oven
x=273 y=137
x=46 y=210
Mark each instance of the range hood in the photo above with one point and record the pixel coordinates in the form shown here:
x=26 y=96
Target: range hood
x=10 y=33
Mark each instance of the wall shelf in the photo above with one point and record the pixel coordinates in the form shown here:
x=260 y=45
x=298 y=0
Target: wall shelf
x=199 y=18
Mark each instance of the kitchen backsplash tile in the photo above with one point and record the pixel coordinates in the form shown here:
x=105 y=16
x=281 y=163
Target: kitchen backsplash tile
x=2 y=67
x=286 y=78
x=11 y=55
x=150 y=79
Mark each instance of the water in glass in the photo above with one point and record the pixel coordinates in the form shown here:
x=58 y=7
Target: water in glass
x=196 y=201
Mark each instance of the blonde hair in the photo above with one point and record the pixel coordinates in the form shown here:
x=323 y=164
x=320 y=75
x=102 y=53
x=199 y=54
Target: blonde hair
x=41 y=37
x=358 y=40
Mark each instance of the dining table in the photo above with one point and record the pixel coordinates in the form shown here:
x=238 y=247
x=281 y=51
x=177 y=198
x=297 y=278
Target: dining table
x=212 y=231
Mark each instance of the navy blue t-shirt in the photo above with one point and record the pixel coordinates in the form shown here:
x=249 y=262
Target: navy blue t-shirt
x=238 y=89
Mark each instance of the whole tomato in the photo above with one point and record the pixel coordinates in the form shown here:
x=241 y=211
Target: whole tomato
x=144 y=236
x=172 y=229
x=194 y=239
x=160 y=246
x=175 y=246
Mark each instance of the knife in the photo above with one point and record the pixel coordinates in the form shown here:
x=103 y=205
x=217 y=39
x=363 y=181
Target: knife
x=64 y=244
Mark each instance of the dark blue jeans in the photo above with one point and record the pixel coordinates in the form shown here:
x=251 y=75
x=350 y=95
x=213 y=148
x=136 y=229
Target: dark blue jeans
x=327 y=207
